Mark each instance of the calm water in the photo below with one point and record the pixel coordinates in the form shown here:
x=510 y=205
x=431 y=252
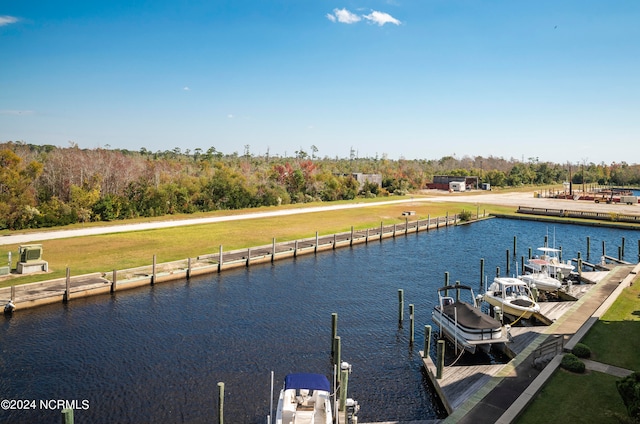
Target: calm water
x=156 y=354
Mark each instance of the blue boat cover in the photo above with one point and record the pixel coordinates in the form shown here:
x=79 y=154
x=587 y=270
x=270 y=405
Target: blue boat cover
x=307 y=381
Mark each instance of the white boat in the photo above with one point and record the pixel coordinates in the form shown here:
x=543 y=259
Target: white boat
x=463 y=322
x=513 y=296
x=549 y=262
x=305 y=399
x=542 y=280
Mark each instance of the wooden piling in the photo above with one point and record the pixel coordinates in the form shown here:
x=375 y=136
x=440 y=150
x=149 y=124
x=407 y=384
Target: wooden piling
x=481 y=274
x=67 y=290
x=13 y=293
x=400 y=305
x=221 y=403
x=427 y=341
x=560 y=253
x=588 y=247
x=248 y=257
x=622 y=248
x=497 y=271
x=295 y=249
x=381 y=231
x=351 y=239
x=334 y=332
x=114 y=281
x=412 y=324
x=188 y=268
x=67 y=416
x=508 y=267
x=273 y=250
x=344 y=387
x=315 y=248
x=619 y=253
x=604 y=248
x=406 y=231
x=515 y=243
x=338 y=353
x=153 y=271
x=220 y=259
x=580 y=267
x=335 y=238
x=440 y=359
x=428 y=221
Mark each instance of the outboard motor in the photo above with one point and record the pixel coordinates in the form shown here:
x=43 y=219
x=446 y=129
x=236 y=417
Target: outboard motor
x=352 y=410
x=9 y=308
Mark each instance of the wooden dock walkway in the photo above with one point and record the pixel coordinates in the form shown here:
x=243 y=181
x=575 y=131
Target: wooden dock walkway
x=462 y=387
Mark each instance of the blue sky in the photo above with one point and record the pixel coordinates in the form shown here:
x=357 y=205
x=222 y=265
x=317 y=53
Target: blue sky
x=420 y=79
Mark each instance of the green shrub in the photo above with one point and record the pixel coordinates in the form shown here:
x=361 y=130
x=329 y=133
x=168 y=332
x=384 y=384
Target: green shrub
x=629 y=389
x=465 y=215
x=581 y=350
x=571 y=362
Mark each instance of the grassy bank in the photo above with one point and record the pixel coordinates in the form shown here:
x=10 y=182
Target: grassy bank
x=102 y=253
x=592 y=397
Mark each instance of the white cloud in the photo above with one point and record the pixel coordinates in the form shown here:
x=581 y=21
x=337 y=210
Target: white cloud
x=346 y=17
x=343 y=16
x=186 y=88
x=230 y=116
x=6 y=20
x=381 y=18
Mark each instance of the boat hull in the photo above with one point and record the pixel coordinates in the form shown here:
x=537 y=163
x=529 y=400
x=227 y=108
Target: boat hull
x=471 y=330
x=510 y=308
x=542 y=282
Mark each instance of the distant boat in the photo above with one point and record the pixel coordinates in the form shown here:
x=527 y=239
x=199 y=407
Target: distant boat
x=513 y=296
x=549 y=262
x=305 y=399
x=463 y=322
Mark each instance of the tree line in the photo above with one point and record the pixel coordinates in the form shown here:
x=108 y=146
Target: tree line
x=44 y=186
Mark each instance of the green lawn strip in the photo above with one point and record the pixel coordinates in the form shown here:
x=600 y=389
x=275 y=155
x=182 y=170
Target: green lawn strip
x=593 y=397
x=103 y=253
x=615 y=338
x=576 y=398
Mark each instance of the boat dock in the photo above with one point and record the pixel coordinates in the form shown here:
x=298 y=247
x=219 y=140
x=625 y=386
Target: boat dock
x=499 y=392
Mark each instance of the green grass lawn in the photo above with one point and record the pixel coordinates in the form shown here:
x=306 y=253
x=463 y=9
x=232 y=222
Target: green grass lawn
x=104 y=253
x=592 y=397
x=576 y=398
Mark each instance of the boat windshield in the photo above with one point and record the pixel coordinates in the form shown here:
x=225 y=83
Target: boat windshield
x=516 y=291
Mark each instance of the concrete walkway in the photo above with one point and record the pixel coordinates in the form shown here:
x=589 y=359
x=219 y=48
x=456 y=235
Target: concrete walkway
x=606 y=368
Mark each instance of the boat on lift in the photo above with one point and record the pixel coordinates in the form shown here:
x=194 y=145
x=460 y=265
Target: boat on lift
x=549 y=261
x=541 y=279
x=513 y=296
x=462 y=321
